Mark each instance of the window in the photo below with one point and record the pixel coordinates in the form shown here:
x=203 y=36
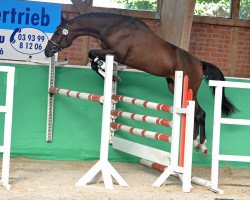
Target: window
x=213 y=8
x=148 y=5
x=245 y=9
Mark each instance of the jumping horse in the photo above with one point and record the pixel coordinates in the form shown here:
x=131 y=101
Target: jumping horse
x=134 y=44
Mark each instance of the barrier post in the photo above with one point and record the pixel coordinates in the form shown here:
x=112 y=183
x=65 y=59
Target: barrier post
x=7 y=109
x=50 y=108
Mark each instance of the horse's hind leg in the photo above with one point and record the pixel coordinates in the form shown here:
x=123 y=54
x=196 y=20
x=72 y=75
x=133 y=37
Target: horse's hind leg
x=200 y=117
x=196 y=135
x=199 y=122
x=170 y=82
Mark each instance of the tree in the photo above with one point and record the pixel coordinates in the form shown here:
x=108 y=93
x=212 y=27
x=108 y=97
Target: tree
x=245 y=9
x=221 y=8
x=213 y=8
x=139 y=4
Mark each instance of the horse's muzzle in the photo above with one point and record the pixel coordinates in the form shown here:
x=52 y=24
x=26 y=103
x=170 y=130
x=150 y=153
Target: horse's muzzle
x=48 y=53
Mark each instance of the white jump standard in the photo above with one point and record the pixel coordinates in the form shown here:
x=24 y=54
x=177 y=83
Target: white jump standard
x=218 y=120
x=7 y=109
x=103 y=164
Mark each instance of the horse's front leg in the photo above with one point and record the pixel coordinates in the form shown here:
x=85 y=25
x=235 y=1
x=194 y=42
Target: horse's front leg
x=101 y=53
x=97 y=64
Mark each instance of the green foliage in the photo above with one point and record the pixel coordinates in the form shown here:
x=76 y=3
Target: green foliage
x=213 y=8
x=245 y=9
x=221 y=8
x=139 y=4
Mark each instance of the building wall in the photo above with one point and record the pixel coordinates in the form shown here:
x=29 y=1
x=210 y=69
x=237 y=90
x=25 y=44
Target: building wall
x=226 y=47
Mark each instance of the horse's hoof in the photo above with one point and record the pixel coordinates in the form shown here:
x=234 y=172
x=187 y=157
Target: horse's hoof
x=196 y=145
x=204 y=148
x=197 y=148
x=205 y=152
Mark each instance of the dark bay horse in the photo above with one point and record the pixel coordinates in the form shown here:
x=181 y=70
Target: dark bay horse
x=134 y=44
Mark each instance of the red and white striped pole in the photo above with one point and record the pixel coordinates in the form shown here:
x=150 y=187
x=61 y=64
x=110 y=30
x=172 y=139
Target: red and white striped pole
x=143 y=118
x=141 y=132
x=75 y=94
x=143 y=103
x=162 y=168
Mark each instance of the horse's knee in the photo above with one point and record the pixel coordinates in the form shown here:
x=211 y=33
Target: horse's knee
x=92 y=54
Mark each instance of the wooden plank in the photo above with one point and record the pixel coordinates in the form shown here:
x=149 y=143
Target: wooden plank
x=176 y=21
x=233 y=51
x=221 y=21
x=235 y=9
x=187 y=24
x=141 y=151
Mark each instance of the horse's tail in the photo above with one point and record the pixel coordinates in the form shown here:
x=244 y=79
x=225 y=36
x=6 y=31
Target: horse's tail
x=212 y=72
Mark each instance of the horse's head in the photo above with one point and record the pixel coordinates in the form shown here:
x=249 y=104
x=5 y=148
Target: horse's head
x=61 y=39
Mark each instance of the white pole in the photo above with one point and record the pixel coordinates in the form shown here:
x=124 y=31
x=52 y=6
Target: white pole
x=216 y=137
x=7 y=124
x=103 y=165
x=50 y=106
x=188 y=155
x=175 y=130
x=106 y=117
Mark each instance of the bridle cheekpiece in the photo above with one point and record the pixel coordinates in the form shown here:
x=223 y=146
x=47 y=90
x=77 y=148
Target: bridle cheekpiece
x=57 y=46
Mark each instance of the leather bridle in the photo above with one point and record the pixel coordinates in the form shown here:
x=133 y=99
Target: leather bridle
x=57 y=46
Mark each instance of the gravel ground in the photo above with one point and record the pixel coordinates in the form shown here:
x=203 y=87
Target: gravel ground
x=46 y=179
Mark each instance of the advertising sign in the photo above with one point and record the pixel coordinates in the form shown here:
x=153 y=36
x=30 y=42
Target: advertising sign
x=25 y=28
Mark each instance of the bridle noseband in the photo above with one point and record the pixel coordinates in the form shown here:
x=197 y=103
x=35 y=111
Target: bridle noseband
x=57 y=46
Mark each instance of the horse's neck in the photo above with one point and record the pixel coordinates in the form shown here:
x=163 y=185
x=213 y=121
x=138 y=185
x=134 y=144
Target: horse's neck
x=91 y=26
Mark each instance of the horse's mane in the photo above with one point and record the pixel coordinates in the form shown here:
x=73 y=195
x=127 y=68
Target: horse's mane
x=108 y=14
x=101 y=14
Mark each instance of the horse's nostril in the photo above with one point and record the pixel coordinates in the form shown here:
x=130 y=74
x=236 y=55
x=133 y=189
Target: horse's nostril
x=48 y=53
